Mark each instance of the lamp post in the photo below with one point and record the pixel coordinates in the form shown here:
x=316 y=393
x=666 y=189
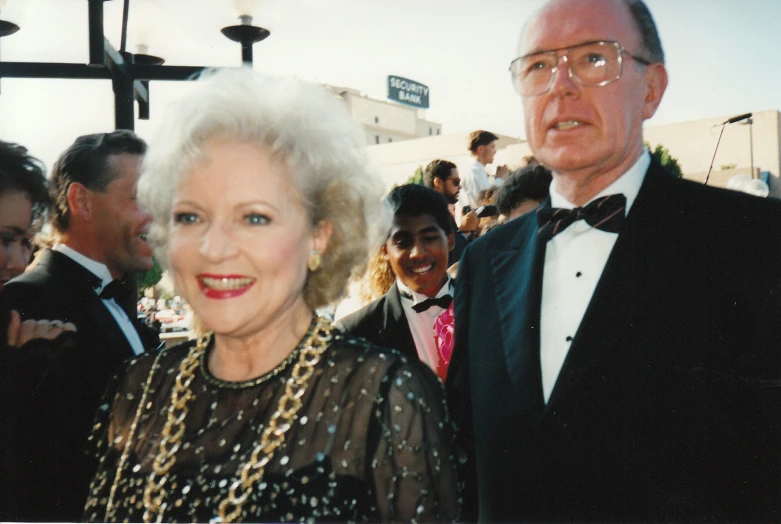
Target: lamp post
x=129 y=73
x=750 y=124
x=246 y=34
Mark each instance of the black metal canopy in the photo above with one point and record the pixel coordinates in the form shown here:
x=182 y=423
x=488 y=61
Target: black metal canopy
x=129 y=73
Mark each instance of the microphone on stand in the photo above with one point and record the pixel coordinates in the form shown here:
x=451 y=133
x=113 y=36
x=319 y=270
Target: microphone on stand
x=736 y=119
x=727 y=121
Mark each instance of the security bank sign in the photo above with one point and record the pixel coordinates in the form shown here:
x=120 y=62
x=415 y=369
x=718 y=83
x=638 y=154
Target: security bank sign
x=407 y=92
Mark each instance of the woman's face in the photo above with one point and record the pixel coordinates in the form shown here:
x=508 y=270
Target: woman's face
x=16 y=215
x=240 y=240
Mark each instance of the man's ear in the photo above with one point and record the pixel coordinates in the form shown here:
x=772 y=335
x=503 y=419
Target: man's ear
x=439 y=184
x=80 y=201
x=451 y=241
x=656 y=84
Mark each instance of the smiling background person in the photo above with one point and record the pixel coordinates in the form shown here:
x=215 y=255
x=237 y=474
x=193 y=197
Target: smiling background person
x=263 y=204
x=416 y=251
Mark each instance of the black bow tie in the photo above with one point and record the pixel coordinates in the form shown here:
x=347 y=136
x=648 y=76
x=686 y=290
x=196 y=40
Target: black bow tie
x=443 y=302
x=118 y=290
x=606 y=213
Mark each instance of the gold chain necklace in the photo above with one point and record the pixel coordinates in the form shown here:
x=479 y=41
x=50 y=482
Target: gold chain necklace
x=272 y=437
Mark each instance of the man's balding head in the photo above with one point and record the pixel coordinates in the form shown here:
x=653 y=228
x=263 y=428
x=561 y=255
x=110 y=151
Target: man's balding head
x=589 y=135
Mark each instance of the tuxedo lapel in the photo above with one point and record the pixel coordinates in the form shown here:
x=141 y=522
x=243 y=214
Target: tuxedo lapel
x=517 y=279
x=80 y=282
x=395 y=327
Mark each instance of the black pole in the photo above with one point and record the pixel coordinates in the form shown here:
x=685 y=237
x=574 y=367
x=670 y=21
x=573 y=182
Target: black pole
x=246 y=51
x=124 y=95
x=97 y=53
x=125 y=10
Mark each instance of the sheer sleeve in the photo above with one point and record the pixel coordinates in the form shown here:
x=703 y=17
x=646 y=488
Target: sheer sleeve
x=105 y=442
x=413 y=461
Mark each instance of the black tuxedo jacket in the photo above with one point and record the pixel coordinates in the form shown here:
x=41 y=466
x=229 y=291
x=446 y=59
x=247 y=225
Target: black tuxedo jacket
x=384 y=323
x=667 y=405
x=56 y=403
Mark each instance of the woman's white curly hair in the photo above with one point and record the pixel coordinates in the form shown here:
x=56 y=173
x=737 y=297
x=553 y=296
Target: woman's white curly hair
x=308 y=131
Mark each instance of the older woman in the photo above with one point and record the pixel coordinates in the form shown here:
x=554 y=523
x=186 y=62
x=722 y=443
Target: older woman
x=262 y=201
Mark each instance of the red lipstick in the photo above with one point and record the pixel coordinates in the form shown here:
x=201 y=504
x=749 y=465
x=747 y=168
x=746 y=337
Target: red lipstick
x=224 y=286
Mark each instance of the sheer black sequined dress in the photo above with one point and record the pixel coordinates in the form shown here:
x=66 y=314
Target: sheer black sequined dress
x=371 y=442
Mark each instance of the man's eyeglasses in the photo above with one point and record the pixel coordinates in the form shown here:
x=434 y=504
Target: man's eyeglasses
x=590 y=64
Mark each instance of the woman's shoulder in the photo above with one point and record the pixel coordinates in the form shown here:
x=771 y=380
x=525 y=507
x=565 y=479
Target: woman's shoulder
x=349 y=347
x=138 y=368
x=359 y=354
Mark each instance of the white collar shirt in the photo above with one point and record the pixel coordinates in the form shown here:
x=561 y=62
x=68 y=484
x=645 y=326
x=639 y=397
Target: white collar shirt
x=101 y=271
x=474 y=179
x=574 y=261
x=421 y=325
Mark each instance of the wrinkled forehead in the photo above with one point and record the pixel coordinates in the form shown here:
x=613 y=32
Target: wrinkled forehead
x=564 y=23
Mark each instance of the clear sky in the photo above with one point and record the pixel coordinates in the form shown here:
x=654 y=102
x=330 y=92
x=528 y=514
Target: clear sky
x=723 y=57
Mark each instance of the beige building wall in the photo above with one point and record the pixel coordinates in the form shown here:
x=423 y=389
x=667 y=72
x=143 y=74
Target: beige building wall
x=384 y=121
x=692 y=143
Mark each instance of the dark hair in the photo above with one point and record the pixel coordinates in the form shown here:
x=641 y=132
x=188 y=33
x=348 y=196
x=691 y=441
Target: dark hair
x=438 y=168
x=414 y=200
x=529 y=183
x=86 y=162
x=21 y=172
x=480 y=138
x=645 y=24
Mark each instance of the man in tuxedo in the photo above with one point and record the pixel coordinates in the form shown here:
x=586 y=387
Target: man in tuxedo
x=617 y=351
x=416 y=250
x=100 y=240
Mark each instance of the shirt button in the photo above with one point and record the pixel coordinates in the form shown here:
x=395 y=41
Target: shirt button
x=569 y=339
x=578 y=274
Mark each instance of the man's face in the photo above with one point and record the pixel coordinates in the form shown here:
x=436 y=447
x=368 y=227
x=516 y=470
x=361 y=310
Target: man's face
x=450 y=187
x=487 y=153
x=417 y=250
x=121 y=225
x=587 y=132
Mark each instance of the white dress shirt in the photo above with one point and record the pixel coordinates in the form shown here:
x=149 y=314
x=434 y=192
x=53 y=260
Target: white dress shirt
x=422 y=324
x=574 y=260
x=101 y=271
x=474 y=179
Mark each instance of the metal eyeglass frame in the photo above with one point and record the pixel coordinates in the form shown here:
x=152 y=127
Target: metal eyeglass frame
x=621 y=51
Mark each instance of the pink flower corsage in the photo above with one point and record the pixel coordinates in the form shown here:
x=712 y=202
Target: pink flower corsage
x=444 y=329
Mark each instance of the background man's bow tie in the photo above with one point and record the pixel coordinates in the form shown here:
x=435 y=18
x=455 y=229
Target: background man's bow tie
x=443 y=302
x=118 y=290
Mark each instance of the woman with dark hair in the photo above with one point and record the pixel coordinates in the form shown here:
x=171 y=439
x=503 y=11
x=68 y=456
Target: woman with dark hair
x=27 y=347
x=24 y=202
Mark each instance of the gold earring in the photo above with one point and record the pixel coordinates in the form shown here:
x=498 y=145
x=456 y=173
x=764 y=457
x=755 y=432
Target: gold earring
x=314 y=260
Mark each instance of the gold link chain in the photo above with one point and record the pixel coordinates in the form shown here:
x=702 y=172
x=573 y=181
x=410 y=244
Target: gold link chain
x=272 y=437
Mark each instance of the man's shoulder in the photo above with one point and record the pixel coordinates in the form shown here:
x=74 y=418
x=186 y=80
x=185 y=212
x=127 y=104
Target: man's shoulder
x=365 y=319
x=38 y=280
x=48 y=288
x=725 y=208
x=505 y=235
